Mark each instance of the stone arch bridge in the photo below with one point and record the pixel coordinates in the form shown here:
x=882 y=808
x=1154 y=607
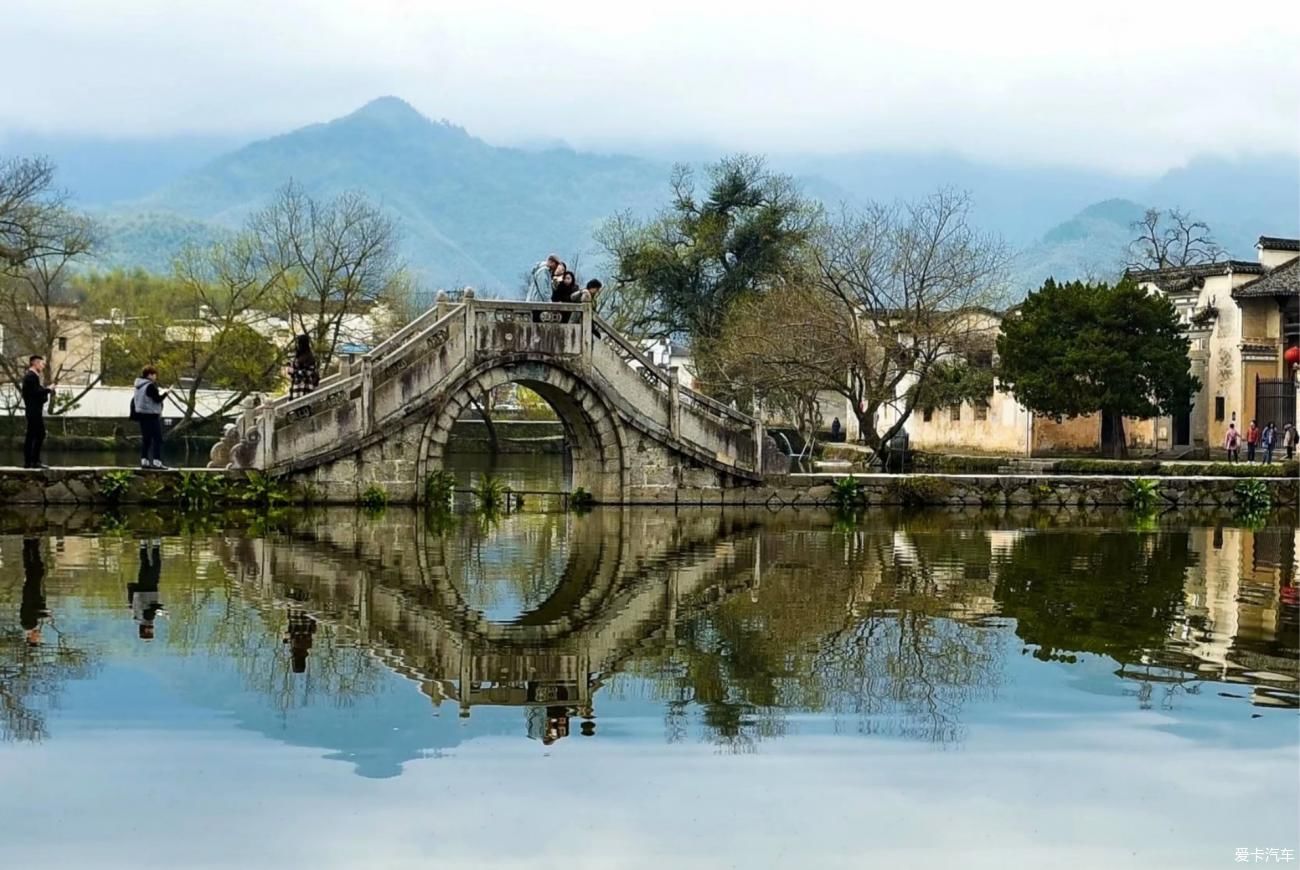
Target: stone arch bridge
x=635 y=434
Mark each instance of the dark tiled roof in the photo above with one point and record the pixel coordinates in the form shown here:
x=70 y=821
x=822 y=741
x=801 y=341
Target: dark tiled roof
x=1180 y=279
x=1282 y=281
x=1274 y=243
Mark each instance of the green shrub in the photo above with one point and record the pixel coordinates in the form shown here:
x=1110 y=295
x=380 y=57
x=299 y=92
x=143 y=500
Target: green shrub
x=1234 y=469
x=1137 y=467
x=846 y=495
x=438 y=489
x=375 y=499
x=944 y=464
x=114 y=484
x=1108 y=466
x=200 y=489
x=581 y=500
x=1252 y=497
x=1142 y=495
x=263 y=490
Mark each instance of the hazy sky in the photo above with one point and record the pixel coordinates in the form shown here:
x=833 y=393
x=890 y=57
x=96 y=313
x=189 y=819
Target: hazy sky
x=1115 y=85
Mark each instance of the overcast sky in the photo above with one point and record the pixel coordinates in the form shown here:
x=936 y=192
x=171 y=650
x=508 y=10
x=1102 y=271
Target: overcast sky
x=1113 y=85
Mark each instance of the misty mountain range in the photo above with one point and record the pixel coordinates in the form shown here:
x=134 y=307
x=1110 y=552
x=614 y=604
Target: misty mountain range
x=475 y=213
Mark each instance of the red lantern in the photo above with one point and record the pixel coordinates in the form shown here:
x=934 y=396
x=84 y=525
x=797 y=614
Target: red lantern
x=1292 y=355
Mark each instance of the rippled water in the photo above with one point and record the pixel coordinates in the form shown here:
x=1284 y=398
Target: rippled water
x=646 y=688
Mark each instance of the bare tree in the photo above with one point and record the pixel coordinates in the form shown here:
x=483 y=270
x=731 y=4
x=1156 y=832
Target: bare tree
x=1171 y=239
x=40 y=241
x=29 y=207
x=891 y=292
x=39 y=311
x=339 y=259
x=230 y=287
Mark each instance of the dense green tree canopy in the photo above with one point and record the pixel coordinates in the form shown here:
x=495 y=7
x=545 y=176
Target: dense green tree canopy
x=702 y=254
x=1076 y=348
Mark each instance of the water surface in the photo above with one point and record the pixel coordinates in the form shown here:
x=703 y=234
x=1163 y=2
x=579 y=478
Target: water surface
x=646 y=688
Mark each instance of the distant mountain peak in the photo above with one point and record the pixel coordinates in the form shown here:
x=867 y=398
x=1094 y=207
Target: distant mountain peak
x=397 y=115
x=388 y=110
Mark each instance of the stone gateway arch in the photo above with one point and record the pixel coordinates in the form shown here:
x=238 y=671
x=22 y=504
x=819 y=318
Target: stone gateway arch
x=635 y=434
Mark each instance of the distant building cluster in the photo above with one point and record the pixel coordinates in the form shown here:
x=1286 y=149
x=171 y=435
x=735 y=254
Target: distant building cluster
x=1243 y=319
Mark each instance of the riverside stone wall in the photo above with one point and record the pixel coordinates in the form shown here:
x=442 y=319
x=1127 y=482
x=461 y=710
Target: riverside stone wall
x=99 y=486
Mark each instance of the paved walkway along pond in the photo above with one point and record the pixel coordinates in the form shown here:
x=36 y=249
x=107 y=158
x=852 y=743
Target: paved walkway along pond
x=646 y=687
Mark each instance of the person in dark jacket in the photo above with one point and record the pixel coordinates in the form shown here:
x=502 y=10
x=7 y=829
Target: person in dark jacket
x=564 y=288
x=35 y=396
x=148 y=406
x=304 y=375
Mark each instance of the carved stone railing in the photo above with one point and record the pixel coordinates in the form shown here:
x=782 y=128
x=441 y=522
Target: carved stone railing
x=660 y=379
x=439 y=312
x=559 y=330
x=743 y=434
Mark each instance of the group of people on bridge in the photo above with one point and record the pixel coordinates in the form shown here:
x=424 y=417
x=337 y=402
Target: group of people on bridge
x=554 y=274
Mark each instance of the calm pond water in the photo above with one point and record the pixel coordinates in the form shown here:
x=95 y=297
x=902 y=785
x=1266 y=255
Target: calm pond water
x=645 y=688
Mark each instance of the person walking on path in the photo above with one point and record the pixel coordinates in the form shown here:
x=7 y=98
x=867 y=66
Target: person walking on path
x=35 y=396
x=1252 y=441
x=147 y=405
x=304 y=374
x=1267 y=440
x=1289 y=438
x=1232 y=443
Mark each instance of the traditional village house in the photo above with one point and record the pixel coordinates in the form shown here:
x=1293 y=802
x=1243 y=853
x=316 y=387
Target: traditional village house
x=1243 y=318
x=76 y=348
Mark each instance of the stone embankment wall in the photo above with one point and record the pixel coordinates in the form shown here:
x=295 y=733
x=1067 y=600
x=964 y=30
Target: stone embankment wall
x=98 y=486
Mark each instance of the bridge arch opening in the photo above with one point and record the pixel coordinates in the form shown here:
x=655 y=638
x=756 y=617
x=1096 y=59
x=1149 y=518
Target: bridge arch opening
x=593 y=435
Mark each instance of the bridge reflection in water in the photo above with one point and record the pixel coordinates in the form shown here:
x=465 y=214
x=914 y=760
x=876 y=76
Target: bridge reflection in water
x=743 y=615
x=727 y=626
x=622 y=583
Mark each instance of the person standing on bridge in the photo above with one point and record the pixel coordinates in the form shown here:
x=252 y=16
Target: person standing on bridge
x=304 y=375
x=147 y=407
x=588 y=294
x=542 y=280
x=35 y=396
x=565 y=287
